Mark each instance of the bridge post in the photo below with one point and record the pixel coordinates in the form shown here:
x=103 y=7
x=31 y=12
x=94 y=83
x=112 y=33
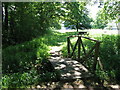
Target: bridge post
x=96 y=55
x=79 y=49
x=68 y=46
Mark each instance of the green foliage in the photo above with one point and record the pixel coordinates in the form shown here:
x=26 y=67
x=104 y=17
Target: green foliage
x=26 y=63
x=77 y=14
x=100 y=22
x=109 y=55
x=23 y=56
x=26 y=21
x=55 y=38
x=17 y=80
x=24 y=80
x=111 y=9
x=108 y=13
x=27 y=54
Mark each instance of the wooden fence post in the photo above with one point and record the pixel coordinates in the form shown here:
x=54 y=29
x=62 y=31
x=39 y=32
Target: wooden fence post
x=96 y=55
x=79 y=38
x=68 y=46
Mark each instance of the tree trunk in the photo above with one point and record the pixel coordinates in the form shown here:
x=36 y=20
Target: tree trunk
x=6 y=18
x=2 y=14
x=77 y=26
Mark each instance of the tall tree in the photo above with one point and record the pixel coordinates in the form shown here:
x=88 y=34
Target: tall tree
x=77 y=14
x=100 y=22
x=25 y=21
x=6 y=16
x=109 y=12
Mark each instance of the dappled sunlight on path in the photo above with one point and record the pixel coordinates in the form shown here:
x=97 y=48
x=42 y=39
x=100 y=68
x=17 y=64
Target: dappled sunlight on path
x=69 y=69
x=55 y=49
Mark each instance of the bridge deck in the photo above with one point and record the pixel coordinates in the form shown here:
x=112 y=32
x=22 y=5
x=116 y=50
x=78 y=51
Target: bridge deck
x=69 y=69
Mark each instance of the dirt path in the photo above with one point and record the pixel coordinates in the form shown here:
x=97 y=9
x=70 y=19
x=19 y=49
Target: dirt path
x=69 y=69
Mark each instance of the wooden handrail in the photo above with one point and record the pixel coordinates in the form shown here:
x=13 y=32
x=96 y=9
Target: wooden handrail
x=96 y=55
x=81 y=45
x=68 y=46
x=85 y=38
x=91 y=39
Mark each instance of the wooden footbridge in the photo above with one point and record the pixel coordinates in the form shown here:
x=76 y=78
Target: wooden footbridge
x=80 y=65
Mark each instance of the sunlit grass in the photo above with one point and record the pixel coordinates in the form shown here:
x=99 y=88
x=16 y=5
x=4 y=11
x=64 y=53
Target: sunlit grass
x=21 y=60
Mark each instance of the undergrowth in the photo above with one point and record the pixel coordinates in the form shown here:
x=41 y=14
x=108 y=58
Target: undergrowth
x=26 y=64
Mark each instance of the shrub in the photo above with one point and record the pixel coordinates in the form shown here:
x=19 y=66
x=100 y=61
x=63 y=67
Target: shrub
x=23 y=56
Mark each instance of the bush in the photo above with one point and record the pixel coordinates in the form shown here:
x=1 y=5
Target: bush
x=109 y=55
x=17 y=80
x=24 y=80
x=23 y=56
x=36 y=75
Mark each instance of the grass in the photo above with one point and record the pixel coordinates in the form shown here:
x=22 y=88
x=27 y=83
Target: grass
x=26 y=63
x=56 y=38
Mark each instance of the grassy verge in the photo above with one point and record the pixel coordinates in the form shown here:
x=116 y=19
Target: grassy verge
x=26 y=63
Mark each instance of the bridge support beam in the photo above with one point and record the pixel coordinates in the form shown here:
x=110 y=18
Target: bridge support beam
x=79 y=49
x=68 y=46
x=96 y=55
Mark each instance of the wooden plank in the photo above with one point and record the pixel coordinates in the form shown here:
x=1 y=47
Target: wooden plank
x=82 y=33
x=68 y=68
x=91 y=39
